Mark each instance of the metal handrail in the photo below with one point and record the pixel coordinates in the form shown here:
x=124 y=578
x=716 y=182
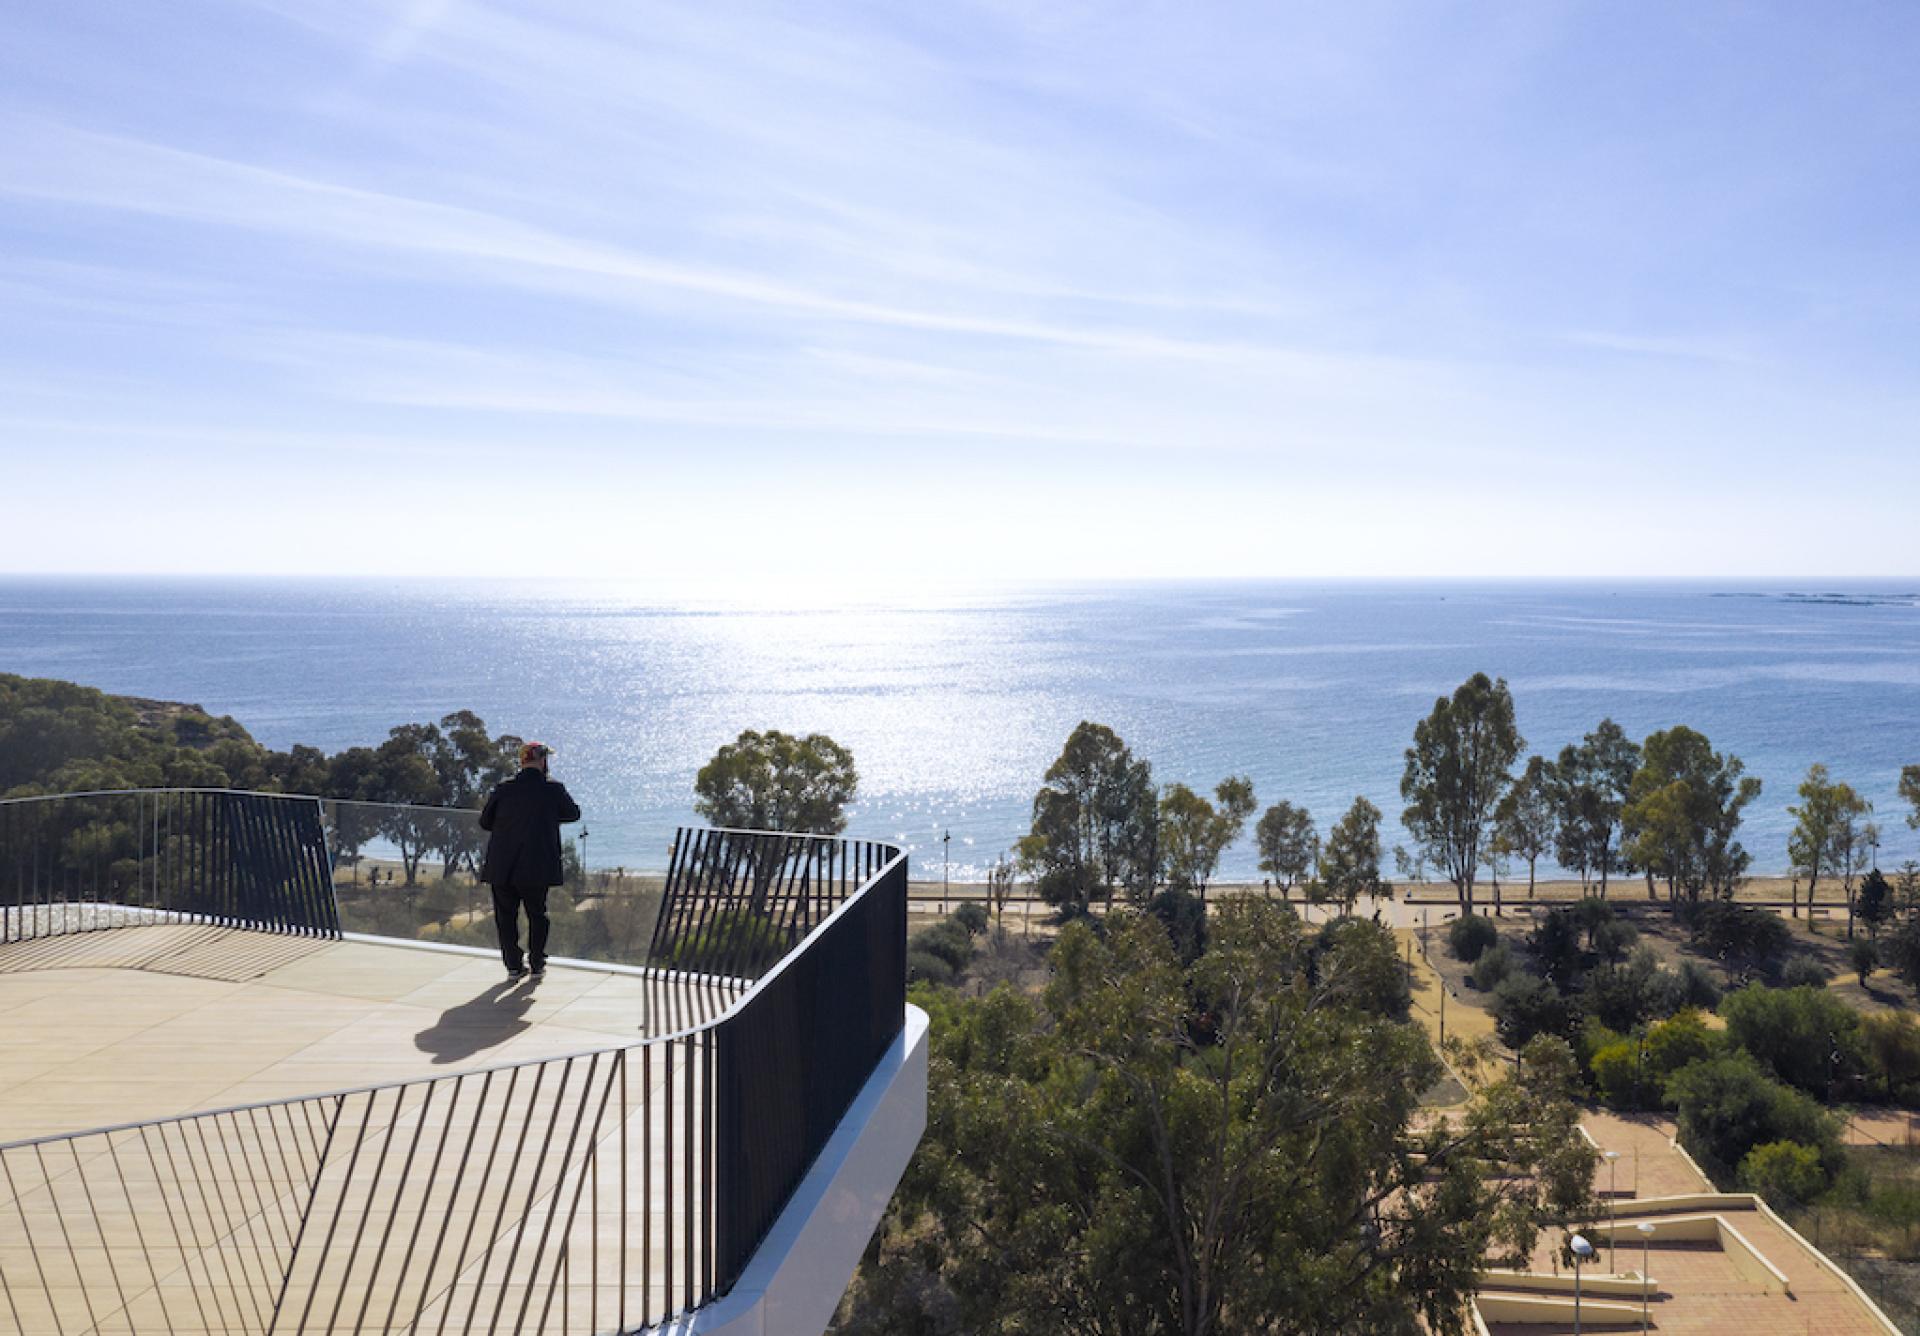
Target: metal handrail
x=746 y=1166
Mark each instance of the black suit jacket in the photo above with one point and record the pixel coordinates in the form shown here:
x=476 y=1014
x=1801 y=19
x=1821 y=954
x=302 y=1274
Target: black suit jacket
x=522 y=818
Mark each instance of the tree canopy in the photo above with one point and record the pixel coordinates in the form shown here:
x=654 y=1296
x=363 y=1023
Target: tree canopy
x=1683 y=814
x=1456 y=774
x=1227 y=1145
x=776 y=781
x=1095 y=823
x=1289 y=845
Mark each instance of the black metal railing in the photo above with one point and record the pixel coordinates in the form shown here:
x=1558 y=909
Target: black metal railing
x=606 y=1191
x=82 y=862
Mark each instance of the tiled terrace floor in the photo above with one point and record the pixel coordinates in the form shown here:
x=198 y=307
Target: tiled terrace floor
x=515 y=1202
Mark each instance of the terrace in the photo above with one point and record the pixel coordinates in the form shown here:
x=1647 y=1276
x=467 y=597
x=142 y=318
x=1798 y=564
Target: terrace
x=221 y=1112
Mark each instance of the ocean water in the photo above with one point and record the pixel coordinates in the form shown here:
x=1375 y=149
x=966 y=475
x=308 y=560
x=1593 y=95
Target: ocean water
x=955 y=704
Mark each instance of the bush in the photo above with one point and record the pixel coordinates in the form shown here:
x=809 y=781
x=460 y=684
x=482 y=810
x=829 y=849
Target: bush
x=971 y=916
x=1729 y=1105
x=1613 y=939
x=1625 y=995
x=925 y=967
x=1673 y=1045
x=946 y=939
x=1524 y=1006
x=1786 y=1173
x=1732 y=932
x=1864 y=956
x=1470 y=935
x=1493 y=967
x=1620 y=1076
x=1555 y=946
x=1892 y=1043
x=1806 y=1037
x=1804 y=972
x=1695 y=987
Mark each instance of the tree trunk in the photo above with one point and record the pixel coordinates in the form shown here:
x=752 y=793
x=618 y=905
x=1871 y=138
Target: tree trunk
x=1530 y=864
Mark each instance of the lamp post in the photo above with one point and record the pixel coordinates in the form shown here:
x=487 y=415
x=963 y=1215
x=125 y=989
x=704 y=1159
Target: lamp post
x=946 y=861
x=1646 y=1232
x=1582 y=1251
x=583 y=860
x=1612 y=1158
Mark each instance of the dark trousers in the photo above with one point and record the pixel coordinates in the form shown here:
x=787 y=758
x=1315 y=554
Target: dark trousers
x=507 y=903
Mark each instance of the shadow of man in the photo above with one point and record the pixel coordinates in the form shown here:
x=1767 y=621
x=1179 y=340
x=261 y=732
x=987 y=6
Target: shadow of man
x=489 y=1020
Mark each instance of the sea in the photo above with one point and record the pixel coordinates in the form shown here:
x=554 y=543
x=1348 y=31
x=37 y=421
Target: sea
x=954 y=703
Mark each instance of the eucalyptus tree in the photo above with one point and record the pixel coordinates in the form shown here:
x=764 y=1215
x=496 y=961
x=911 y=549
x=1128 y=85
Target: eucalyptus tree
x=1231 y=1143
x=1289 y=845
x=1350 y=861
x=1683 y=814
x=1827 y=837
x=778 y=781
x=1526 y=820
x=1096 y=824
x=1590 y=784
x=1458 y=770
x=1194 y=833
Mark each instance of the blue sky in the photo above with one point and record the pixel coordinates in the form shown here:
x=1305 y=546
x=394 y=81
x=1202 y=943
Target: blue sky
x=859 y=292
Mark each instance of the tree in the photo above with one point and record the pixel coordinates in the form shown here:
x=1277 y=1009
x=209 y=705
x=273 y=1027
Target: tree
x=1457 y=773
x=1806 y=1037
x=1728 y=1105
x=1229 y=1145
x=1525 y=821
x=1910 y=792
x=1000 y=885
x=1876 y=902
x=776 y=781
x=1350 y=865
x=1194 y=832
x=1095 y=823
x=1786 y=1173
x=1590 y=784
x=1289 y=846
x=1826 y=834
x=1683 y=812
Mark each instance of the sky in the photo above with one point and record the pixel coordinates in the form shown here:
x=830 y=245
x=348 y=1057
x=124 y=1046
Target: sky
x=975 y=290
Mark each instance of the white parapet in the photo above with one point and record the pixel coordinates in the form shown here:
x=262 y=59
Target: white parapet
x=798 y=1275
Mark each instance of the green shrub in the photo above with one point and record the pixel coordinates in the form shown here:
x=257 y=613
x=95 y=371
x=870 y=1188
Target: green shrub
x=1675 y=1044
x=1804 y=972
x=1786 y=1173
x=1864 y=956
x=1892 y=1043
x=1470 y=935
x=1696 y=986
x=1524 y=1006
x=1554 y=944
x=925 y=967
x=1620 y=1076
x=1728 y=1105
x=946 y=939
x=1806 y=1037
x=1613 y=939
x=1493 y=967
x=971 y=916
x=1732 y=932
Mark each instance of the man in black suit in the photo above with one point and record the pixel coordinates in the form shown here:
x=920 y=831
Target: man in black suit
x=523 y=818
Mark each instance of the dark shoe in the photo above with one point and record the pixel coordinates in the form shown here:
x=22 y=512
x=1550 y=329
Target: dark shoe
x=539 y=972
x=515 y=976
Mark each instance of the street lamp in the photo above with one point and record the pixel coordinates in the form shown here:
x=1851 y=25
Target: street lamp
x=1646 y=1232
x=583 y=860
x=1612 y=1157
x=1582 y=1252
x=946 y=840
